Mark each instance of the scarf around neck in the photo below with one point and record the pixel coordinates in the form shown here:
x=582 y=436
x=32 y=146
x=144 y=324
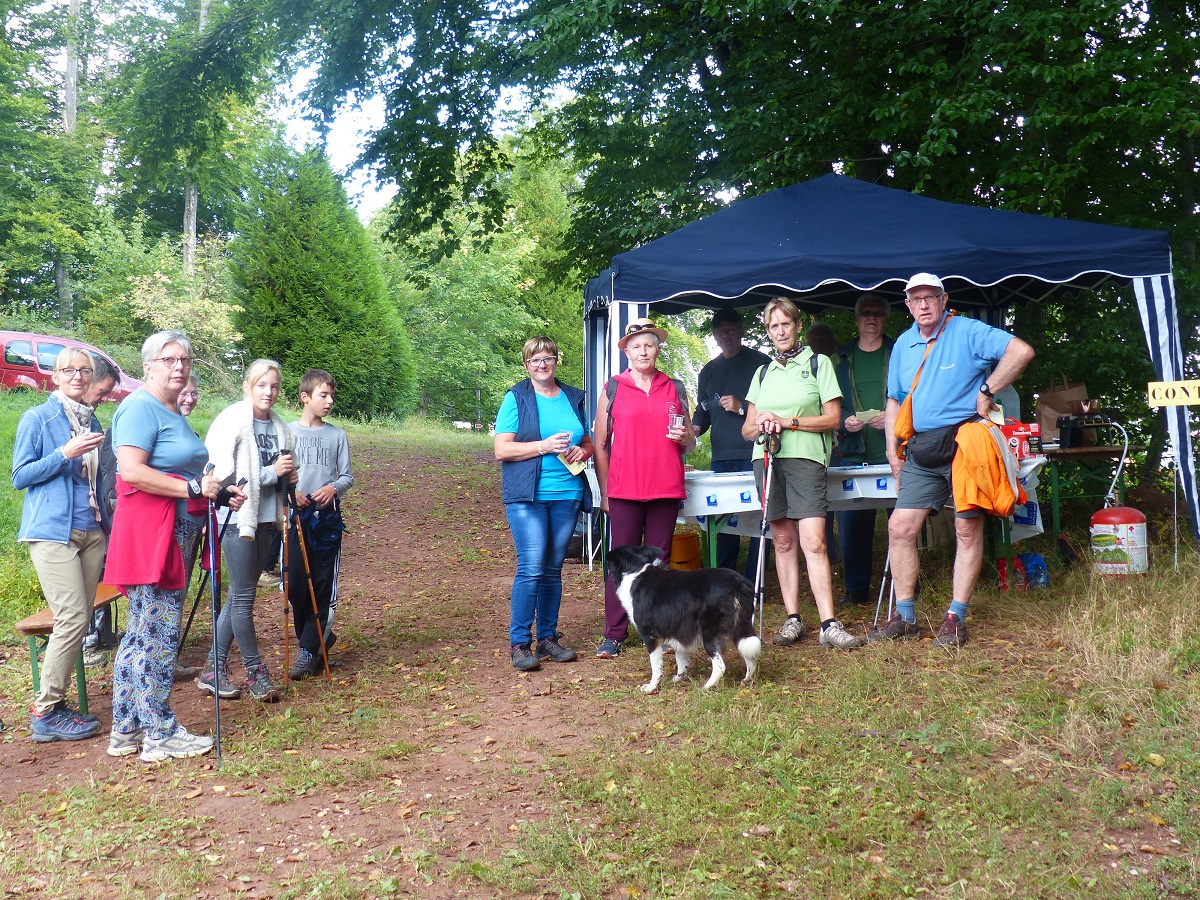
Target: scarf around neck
x=787 y=356
x=79 y=417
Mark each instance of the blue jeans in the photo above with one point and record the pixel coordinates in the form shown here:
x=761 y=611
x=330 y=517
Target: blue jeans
x=729 y=545
x=541 y=530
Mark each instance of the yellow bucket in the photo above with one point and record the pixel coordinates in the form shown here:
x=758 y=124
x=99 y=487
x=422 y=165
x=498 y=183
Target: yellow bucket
x=685 y=551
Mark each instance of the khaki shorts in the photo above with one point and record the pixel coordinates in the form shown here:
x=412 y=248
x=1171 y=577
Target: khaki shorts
x=797 y=489
x=924 y=488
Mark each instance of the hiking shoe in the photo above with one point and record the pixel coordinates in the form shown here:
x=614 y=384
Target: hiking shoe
x=208 y=685
x=953 y=633
x=262 y=688
x=269 y=579
x=179 y=745
x=306 y=666
x=608 y=649
x=835 y=635
x=94 y=658
x=550 y=648
x=895 y=629
x=64 y=707
x=122 y=744
x=186 y=673
x=790 y=631
x=523 y=659
x=61 y=725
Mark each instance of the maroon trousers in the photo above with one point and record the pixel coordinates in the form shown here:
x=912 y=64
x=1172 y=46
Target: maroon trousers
x=635 y=522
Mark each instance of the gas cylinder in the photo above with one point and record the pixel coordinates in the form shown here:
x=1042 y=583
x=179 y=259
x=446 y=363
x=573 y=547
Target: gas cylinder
x=1119 y=545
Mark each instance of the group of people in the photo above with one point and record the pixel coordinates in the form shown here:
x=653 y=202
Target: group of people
x=142 y=533
x=808 y=408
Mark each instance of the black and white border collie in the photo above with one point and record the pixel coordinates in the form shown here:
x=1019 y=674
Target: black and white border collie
x=686 y=610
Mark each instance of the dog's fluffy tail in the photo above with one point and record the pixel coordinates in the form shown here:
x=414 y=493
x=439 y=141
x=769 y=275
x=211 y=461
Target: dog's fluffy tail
x=750 y=648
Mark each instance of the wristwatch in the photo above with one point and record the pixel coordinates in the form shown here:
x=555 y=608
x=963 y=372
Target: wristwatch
x=986 y=391
x=741 y=408
x=795 y=424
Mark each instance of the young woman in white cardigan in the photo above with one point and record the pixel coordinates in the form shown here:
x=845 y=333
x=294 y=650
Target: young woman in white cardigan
x=249 y=440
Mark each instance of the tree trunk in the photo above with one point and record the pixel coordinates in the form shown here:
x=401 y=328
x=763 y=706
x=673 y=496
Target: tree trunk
x=62 y=285
x=191 y=201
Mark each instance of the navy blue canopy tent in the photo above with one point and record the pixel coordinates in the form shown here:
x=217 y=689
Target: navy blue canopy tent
x=824 y=242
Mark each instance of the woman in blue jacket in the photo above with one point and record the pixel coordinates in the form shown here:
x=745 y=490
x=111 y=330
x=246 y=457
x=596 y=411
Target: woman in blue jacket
x=56 y=463
x=540 y=426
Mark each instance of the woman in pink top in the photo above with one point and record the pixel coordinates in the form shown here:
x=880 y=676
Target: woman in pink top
x=639 y=460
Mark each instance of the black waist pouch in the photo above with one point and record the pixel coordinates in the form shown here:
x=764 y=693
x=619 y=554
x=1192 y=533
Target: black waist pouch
x=936 y=448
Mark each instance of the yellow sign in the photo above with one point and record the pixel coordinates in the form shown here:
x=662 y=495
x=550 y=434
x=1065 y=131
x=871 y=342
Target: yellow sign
x=1174 y=393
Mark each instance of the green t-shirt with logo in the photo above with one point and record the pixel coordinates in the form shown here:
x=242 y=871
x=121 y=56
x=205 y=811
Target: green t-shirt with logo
x=792 y=391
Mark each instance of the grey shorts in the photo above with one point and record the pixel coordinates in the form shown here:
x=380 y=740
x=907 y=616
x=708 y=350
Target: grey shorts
x=797 y=489
x=932 y=489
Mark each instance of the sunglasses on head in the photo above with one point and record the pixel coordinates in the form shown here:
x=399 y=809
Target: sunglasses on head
x=636 y=327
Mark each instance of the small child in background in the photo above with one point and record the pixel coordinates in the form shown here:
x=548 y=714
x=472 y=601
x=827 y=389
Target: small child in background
x=322 y=454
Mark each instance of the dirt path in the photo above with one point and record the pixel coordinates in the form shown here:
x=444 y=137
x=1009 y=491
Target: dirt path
x=441 y=748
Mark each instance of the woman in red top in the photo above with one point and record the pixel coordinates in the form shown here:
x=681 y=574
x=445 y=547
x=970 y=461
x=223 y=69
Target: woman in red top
x=640 y=464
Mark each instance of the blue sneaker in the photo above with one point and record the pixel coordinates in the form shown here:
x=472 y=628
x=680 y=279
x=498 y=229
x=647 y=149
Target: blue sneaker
x=608 y=649
x=59 y=725
x=64 y=707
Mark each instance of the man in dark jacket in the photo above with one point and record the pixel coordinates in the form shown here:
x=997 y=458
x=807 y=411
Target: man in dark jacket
x=862 y=367
x=721 y=389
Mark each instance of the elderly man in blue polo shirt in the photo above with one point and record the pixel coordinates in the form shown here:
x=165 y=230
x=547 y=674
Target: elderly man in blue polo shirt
x=962 y=364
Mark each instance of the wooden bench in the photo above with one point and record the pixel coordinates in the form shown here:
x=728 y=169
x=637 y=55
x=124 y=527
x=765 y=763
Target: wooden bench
x=37 y=628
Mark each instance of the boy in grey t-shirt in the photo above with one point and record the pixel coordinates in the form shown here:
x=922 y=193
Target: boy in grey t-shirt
x=322 y=454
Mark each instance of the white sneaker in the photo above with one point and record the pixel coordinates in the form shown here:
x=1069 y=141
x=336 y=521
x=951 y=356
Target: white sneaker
x=179 y=745
x=121 y=744
x=837 y=636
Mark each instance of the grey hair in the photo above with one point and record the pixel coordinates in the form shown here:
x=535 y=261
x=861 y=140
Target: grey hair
x=874 y=299
x=68 y=353
x=102 y=369
x=154 y=344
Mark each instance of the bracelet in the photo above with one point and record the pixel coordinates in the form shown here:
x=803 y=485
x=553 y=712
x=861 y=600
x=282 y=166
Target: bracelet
x=541 y=452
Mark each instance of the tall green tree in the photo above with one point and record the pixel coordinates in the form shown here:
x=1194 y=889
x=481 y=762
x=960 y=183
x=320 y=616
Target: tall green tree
x=311 y=288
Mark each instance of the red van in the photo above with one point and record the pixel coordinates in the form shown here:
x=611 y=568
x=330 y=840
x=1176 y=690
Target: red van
x=27 y=361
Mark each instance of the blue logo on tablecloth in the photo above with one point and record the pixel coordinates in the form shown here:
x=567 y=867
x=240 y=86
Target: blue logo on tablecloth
x=881 y=484
x=711 y=499
x=847 y=484
x=745 y=495
x=733 y=521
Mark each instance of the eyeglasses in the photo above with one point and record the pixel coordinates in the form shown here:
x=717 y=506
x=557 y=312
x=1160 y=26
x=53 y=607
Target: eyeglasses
x=635 y=327
x=190 y=395
x=172 y=361
x=927 y=300
x=71 y=372
x=542 y=361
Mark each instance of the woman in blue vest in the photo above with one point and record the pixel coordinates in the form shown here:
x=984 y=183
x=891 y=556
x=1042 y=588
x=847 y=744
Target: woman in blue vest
x=540 y=428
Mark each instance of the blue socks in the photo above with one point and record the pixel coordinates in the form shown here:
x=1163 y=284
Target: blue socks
x=907 y=610
x=959 y=609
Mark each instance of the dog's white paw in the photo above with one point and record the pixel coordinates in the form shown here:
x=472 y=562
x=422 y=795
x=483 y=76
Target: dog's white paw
x=649 y=688
x=677 y=678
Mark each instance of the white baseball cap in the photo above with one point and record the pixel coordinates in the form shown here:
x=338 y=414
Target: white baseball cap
x=924 y=279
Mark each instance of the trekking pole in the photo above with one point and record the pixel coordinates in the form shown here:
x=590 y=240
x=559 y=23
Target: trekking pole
x=312 y=593
x=771 y=444
x=216 y=602
x=888 y=584
x=287 y=644
x=203 y=584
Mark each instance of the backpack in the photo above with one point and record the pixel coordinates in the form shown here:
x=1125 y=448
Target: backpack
x=610 y=391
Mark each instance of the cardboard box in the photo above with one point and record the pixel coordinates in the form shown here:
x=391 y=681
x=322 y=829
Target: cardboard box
x=1024 y=438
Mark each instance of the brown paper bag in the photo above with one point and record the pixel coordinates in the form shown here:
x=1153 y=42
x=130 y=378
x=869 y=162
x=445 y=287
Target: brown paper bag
x=1055 y=401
